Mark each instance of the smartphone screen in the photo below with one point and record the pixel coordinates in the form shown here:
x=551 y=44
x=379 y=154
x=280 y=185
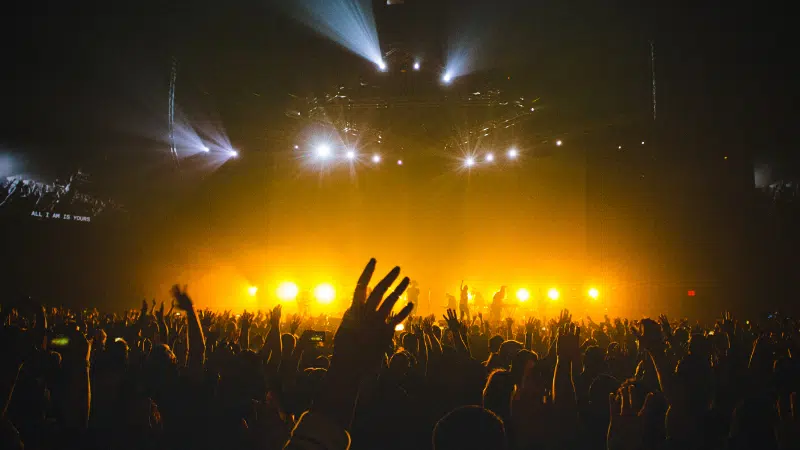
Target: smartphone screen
x=317 y=336
x=60 y=341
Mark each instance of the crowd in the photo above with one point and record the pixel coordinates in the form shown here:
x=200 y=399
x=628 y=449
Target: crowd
x=196 y=379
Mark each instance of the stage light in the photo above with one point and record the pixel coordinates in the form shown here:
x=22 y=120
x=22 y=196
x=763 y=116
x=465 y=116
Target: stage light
x=382 y=66
x=205 y=149
x=252 y=290
x=416 y=66
x=533 y=109
x=324 y=293
x=349 y=23
x=323 y=151
x=447 y=78
x=558 y=143
x=523 y=295
x=553 y=294
x=513 y=153
x=594 y=293
x=297 y=147
x=351 y=155
x=490 y=157
x=469 y=162
x=642 y=142
x=399 y=162
x=399 y=327
x=233 y=154
x=376 y=158
x=287 y=291
x=619 y=147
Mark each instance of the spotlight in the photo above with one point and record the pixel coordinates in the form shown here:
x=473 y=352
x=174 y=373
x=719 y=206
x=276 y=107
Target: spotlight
x=642 y=142
x=324 y=151
x=287 y=291
x=553 y=294
x=297 y=147
x=416 y=66
x=382 y=66
x=399 y=162
x=490 y=157
x=469 y=162
x=513 y=153
x=351 y=155
x=324 y=293
x=523 y=295
x=447 y=78
x=399 y=327
x=533 y=109
x=233 y=154
x=376 y=158
x=619 y=147
x=594 y=293
x=252 y=290
x=558 y=143
x=205 y=149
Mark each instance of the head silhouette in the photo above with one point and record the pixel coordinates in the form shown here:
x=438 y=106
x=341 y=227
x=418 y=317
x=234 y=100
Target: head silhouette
x=470 y=428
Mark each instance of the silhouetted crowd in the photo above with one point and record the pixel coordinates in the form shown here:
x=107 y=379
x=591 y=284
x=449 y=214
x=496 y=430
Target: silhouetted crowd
x=381 y=379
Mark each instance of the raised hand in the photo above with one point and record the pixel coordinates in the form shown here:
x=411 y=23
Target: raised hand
x=144 y=308
x=366 y=330
x=452 y=319
x=427 y=325
x=728 y=324
x=206 y=318
x=275 y=317
x=565 y=317
x=160 y=313
x=626 y=428
x=182 y=300
x=665 y=326
x=530 y=325
x=294 y=323
x=568 y=342
x=245 y=320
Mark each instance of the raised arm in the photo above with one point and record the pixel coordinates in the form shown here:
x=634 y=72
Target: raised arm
x=195 y=340
x=77 y=399
x=163 y=330
x=245 y=321
x=359 y=345
x=455 y=328
x=271 y=352
x=567 y=355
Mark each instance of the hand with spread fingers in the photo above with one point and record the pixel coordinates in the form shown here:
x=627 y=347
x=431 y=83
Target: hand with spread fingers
x=360 y=342
x=452 y=320
x=568 y=342
x=626 y=427
x=367 y=329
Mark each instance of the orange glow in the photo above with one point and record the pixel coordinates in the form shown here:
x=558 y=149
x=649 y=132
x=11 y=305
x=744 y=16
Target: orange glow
x=553 y=294
x=287 y=291
x=324 y=293
x=594 y=293
x=523 y=295
x=399 y=327
x=252 y=291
